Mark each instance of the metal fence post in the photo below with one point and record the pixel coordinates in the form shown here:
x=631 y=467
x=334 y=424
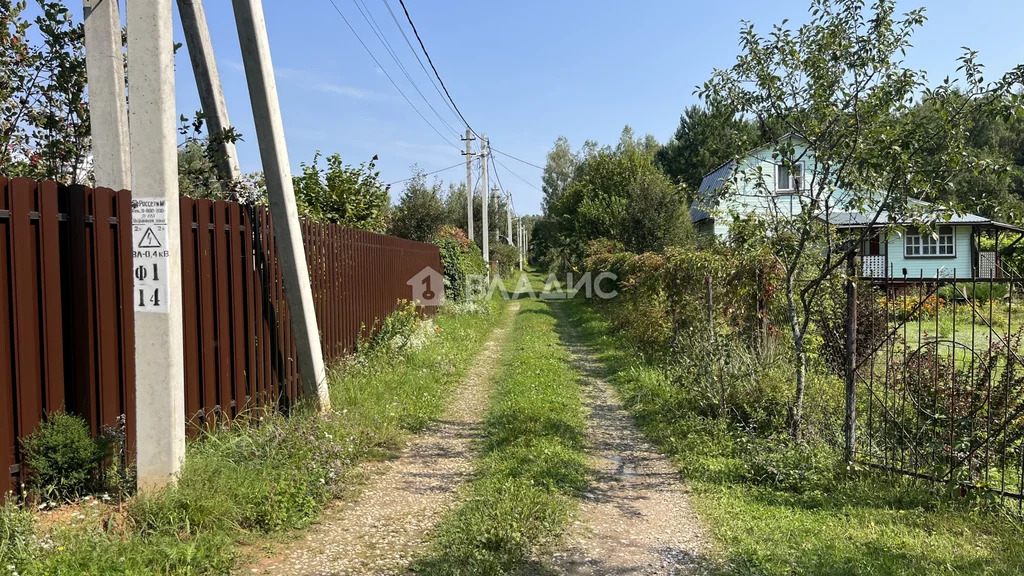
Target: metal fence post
x=850 y=424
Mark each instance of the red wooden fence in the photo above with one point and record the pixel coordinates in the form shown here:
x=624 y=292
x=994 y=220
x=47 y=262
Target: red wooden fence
x=67 y=325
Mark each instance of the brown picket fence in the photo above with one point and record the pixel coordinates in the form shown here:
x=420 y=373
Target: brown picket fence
x=67 y=322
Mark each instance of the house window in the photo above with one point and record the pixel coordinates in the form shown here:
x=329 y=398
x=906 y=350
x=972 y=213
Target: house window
x=940 y=244
x=789 y=178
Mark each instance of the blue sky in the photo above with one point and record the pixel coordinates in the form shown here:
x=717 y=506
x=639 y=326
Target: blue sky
x=523 y=72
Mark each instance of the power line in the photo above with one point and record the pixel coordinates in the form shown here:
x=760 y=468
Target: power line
x=375 y=28
x=434 y=68
x=427 y=173
x=527 y=182
x=517 y=159
x=498 y=178
x=423 y=66
x=392 y=80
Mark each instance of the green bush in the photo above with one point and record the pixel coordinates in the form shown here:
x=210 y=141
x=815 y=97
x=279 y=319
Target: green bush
x=62 y=459
x=505 y=258
x=352 y=196
x=396 y=331
x=460 y=259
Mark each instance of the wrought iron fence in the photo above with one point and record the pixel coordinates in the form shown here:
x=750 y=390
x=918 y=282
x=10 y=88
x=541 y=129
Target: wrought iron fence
x=939 y=372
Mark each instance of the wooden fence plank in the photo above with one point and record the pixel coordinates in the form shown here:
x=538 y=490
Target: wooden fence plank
x=222 y=306
x=237 y=293
x=51 y=306
x=206 y=307
x=82 y=388
x=25 y=308
x=190 y=307
x=107 y=313
x=124 y=266
x=8 y=433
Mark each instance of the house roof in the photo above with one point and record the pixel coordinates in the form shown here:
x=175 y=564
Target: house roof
x=713 y=181
x=702 y=205
x=861 y=220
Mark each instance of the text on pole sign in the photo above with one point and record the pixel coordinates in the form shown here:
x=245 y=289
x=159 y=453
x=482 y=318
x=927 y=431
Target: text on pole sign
x=150 y=254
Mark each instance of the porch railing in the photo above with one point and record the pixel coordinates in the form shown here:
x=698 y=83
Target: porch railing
x=873 y=266
x=987 y=265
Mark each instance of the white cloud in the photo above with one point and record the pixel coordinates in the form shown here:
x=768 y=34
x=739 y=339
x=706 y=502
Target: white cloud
x=321 y=83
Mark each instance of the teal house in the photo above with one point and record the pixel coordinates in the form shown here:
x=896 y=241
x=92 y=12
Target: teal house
x=759 y=185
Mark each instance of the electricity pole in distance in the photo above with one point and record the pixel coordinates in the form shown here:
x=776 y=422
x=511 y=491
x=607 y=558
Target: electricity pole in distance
x=485 y=185
x=508 y=215
x=469 y=182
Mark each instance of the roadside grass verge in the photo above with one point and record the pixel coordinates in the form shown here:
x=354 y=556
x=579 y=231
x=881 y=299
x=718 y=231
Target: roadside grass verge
x=847 y=523
x=533 y=464
x=264 y=473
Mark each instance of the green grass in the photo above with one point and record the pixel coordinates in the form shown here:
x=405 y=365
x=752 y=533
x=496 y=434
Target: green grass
x=858 y=523
x=249 y=481
x=533 y=464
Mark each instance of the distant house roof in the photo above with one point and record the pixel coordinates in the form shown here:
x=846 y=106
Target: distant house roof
x=861 y=220
x=706 y=199
x=706 y=194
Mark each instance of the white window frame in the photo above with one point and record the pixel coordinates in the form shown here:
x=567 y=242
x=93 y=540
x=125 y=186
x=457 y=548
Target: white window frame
x=918 y=245
x=794 y=168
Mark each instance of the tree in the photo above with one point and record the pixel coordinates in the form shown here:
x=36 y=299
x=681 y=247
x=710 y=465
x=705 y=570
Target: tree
x=838 y=85
x=618 y=194
x=198 y=159
x=420 y=212
x=44 y=114
x=455 y=206
x=455 y=212
x=558 y=170
x=994 y=191
x=706 y=138
x=352 y=196
x=656 y=216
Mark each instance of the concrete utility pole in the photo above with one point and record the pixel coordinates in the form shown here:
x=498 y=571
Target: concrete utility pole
x=259 y=74
x=519 y=242
x=508 y=214
x=469 y=182
x=486 y=186
x=159 y=355
x=211 y=93
x=526 y=245
x=104 y=65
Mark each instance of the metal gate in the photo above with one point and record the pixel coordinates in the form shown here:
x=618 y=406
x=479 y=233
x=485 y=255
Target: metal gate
x=940 y=382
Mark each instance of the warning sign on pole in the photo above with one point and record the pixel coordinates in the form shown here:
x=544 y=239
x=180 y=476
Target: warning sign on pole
x=149 y=241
